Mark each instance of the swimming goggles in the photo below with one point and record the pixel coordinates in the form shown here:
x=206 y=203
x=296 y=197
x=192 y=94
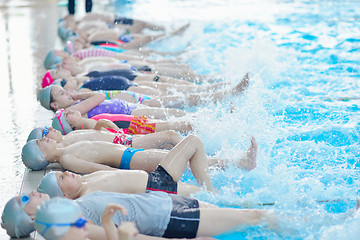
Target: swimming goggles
x=45 y=131
x=80 y=223
x=24 y=200
x=58 y=115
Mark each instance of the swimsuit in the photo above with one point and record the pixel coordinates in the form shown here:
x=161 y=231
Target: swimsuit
x=160 y=180
x=113 y=106
x=110 y=47
x=123 y=139
x=127 y=156
x=155 y=213
x=125 y=38
x=142 y=68
x=93 y=52
x=129 y=123
x=139 y=98
x=126 y=73
x=184 y=218
x=123 y=20
x=108 y=83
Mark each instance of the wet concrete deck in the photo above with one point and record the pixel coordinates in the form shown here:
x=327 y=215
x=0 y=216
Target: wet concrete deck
x=27 y=33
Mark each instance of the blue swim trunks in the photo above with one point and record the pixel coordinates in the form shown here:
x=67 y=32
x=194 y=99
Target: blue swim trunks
x=127 y=156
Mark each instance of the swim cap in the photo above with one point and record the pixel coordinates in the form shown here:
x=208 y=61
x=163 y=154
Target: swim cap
x=51 y=59
x=59 y=82
x=59 y=123
x=32 y=157
x=15 y=220
x=69 y=48
x=49 y=185
x=37 y=133
x=47 y=80
x=44 y=97
x=57 y=212
x=62 y=30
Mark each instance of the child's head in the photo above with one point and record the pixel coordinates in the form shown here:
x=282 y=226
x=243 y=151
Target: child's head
x=61 y=184
x=59 y=73
x=46 y=131
x=51 y=59
x=49 y=185
x=35 y=153
x=18 y=213
x=64 y=121
x=60 y=218
x=54 y=97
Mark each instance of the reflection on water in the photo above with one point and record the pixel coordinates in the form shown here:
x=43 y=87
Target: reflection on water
x=25 y=36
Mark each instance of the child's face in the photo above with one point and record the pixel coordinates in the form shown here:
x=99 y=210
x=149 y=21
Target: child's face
x=69 y=182
x=46 y=146
x=54 y=134
x=36 y=199
x=62 y=97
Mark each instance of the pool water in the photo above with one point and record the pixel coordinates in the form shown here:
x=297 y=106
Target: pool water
x=303 y=57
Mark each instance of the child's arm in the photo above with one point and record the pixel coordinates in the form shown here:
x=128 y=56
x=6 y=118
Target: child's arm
x=78 y=165
x=105 y=123
x=126 y=231
x=91 y=100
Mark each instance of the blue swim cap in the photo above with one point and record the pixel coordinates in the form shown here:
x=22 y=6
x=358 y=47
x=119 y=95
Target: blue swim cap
x=57 y=212
x=15 y=220
x=66 y=49
x=32 y=157
x=59 y=123
x=58 y=82
x=44 y=97
x=51 y=59
x=49 y=185
x=62 y=30
x=36 y=133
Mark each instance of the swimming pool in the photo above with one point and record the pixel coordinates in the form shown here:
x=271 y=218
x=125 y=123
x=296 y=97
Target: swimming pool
x=303 y=56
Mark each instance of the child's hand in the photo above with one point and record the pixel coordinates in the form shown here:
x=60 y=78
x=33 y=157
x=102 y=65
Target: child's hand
x=110 y=210
x=127 y=231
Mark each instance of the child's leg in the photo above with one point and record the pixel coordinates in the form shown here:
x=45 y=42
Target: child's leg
x=147 y=160
x=185 y=189
x=156 y=140
x=190 y=149
x=183 y=127
x=214 y=221
x=157 y=113
x=247 y=161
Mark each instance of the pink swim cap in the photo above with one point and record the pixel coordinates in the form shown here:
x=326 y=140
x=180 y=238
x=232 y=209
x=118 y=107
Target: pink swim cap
x=47 y=80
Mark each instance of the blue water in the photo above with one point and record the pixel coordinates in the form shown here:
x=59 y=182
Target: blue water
x=303 y=56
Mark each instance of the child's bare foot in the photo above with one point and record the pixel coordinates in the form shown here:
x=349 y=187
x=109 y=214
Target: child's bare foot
x=243 y=84
x=248 y=161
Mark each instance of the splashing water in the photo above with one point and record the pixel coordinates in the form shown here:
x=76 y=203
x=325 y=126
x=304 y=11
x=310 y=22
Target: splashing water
x=303 y=57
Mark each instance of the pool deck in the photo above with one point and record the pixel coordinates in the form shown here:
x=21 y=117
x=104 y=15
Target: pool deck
x=28 y=30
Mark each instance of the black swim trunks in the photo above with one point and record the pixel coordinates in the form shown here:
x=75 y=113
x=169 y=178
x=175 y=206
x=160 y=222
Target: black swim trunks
x=123 y=20
x=143 y=68
x=184 y=218
x=160 y=180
